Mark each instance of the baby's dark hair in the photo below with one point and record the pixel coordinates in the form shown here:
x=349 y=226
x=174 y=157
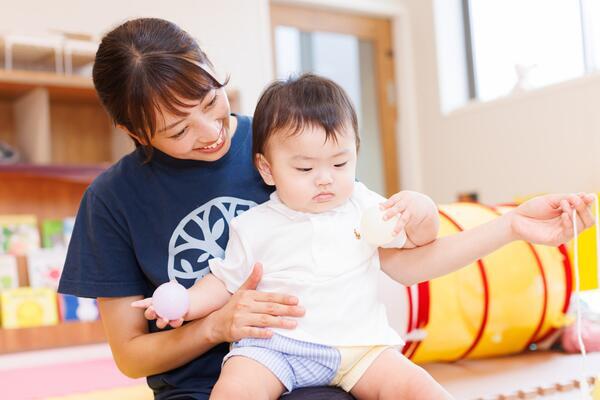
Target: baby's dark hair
x=145 y=66
x=296 y=103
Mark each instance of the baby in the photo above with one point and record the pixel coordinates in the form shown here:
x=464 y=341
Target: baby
x=305 y=143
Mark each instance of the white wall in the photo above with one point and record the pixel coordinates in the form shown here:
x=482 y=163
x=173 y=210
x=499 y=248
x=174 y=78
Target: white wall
x=542 y=141
x=234 y=33
x=548 y=140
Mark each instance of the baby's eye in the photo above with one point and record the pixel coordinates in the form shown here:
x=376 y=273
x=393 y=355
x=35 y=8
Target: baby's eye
x=304 y=169
x=341 y=165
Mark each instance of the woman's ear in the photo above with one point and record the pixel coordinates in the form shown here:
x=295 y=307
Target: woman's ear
x=264 y=168
x=134 y=137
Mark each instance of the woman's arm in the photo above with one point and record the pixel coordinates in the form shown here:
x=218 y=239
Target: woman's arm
x=248 y=313
x=138 y=353
x=543 y=220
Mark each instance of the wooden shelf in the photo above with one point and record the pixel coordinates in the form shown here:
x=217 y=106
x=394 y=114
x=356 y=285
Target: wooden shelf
x=46 y=196
x=57 y=123
x=44 y=337
x=14 y=84
x=68 y=173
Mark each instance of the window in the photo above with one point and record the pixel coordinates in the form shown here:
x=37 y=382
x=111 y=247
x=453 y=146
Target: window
x=521 y=44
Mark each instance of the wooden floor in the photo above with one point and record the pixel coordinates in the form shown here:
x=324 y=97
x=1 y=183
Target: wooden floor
x=466 y=380
x=489 y=379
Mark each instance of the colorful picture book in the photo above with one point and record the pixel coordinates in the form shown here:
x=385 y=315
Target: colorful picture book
x=18 y=234
x=28 y=307
x=45 y=266
x=9 y=272
x=68 y=224
x=57 y=232
x=52 y=233
x=74 y=308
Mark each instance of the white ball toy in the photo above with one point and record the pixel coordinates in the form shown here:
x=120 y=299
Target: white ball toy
x=374 y=229
x=171 y=301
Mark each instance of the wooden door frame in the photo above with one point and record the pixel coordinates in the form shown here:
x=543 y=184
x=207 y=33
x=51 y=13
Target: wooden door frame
x=379 y=32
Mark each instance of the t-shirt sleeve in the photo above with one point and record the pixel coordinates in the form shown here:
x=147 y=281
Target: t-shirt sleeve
x=100 y=260
x=234 y=269
x=367 y=198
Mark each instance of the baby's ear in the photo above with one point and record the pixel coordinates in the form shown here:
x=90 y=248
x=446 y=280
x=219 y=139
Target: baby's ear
x=264 y=168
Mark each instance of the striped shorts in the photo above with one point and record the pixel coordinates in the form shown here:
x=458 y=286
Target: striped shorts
x=302 y=364
x=295 y=363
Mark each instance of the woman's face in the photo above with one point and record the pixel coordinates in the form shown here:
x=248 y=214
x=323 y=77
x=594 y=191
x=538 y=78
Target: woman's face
x=204 y=134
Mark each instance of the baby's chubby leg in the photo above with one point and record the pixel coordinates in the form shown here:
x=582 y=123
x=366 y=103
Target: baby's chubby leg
x=393 y=376
x=244 y=378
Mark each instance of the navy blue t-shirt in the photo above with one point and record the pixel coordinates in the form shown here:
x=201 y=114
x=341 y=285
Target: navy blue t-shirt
x=142 y=224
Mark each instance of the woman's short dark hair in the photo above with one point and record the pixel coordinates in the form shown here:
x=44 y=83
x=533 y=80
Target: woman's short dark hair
x=296 y=103
x=145 y=66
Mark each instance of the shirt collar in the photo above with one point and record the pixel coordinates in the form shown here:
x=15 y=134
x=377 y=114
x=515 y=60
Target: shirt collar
x=276 y=204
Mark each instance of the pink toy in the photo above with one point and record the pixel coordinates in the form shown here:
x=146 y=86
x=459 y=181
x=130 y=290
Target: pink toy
x=171 y=301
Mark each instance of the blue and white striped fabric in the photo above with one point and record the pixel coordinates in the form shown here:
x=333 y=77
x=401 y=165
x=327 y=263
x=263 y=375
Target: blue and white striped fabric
x=296 y=363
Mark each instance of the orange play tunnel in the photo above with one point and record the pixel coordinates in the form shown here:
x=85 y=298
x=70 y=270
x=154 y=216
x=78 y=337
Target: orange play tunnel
x=507 y=302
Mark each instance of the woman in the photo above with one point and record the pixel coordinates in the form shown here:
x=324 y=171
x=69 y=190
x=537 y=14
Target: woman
x=162 y=211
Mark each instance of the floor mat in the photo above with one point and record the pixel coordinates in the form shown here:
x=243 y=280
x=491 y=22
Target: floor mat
x=69 y=379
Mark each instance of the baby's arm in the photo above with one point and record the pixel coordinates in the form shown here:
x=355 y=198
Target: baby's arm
x=207 y=295
x=543 y=220
x=214 y=290
x=418 y=216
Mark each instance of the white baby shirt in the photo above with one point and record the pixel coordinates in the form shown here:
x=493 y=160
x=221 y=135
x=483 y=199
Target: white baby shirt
x=320 y=259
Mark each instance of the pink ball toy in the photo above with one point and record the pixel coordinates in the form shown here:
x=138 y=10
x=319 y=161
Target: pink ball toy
x=171 y=301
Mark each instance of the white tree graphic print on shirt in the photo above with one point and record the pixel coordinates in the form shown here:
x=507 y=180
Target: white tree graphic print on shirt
x=202 y=235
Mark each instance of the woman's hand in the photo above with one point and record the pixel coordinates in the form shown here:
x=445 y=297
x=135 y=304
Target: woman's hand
x=549 y=219
x=417 y=215
x=250 y=313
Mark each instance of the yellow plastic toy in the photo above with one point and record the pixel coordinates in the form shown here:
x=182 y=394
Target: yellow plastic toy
x=509 y=301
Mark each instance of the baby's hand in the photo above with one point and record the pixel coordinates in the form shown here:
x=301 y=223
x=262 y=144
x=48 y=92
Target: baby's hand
x=417 y=215
x=150 y=314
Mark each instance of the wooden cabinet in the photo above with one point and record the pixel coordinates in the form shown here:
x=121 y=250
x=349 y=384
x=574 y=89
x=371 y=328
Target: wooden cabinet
x=66 y=139
x=48 y=192
x=57 y=119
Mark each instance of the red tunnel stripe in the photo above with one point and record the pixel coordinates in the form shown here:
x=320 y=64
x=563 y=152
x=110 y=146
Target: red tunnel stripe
x=486 y=296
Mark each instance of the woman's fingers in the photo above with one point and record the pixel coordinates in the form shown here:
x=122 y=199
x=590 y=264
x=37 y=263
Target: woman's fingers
x=583 y=211
x=277 y=310
x=275 y=298
x=268 y=321
x=259 y=333
x=565 y=206
x=567 y=225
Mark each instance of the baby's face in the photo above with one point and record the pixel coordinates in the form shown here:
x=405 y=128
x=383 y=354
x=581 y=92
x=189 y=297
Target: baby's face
x=311 y=174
